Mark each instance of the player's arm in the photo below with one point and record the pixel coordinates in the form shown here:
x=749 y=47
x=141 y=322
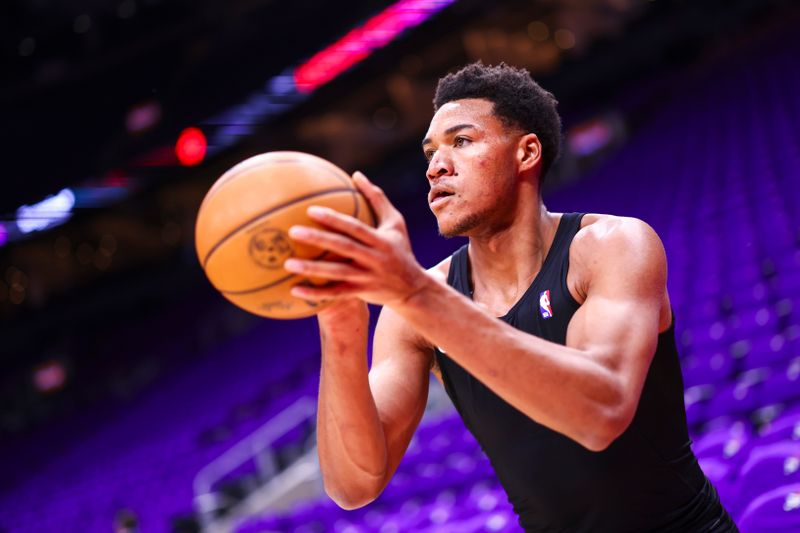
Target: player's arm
x=589 y=389
x=367 y=418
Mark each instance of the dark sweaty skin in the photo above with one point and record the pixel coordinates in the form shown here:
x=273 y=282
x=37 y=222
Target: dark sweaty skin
x=484 y=179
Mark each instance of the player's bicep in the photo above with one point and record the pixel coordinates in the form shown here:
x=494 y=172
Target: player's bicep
x=617 y=332
x=618 y=323
x=399 y=379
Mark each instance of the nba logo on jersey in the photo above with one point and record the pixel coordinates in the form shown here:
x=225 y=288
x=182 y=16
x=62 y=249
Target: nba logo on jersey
x=544 y=304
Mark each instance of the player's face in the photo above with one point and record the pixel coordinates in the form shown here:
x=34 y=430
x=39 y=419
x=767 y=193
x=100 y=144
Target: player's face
x=471 y=167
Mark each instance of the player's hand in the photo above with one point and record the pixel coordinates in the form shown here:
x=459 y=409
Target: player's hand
x=380 y=266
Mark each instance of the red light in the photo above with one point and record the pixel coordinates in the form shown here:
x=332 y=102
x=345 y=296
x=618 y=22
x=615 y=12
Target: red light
x=191 y=147
x=115 y=178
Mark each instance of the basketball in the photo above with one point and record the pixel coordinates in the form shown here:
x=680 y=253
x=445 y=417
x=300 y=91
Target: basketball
x=241 y=233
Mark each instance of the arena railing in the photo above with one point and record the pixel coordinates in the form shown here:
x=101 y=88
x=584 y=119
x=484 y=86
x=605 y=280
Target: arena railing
x=257 y=449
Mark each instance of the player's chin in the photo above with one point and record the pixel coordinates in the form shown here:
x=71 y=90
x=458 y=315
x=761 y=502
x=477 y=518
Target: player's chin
x=455 y=227
x=445 y=225
x=446 y=233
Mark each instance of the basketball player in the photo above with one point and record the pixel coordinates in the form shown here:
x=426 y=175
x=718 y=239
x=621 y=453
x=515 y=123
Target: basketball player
x=552 y=333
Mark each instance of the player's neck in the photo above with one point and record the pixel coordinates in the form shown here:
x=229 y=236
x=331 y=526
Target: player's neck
x=511 y=257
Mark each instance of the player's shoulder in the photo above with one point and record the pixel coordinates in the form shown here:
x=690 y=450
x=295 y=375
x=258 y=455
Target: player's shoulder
x=442 y=269
x=605 y=233
x=607 y=245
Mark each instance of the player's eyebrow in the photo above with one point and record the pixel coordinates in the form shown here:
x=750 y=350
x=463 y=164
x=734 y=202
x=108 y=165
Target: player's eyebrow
x=448 y=131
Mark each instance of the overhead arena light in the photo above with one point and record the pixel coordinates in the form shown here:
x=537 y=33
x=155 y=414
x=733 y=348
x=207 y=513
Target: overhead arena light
x=359 y=43
x=51 y=211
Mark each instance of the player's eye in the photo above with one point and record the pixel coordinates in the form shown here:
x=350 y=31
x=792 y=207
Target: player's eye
x=428 y=155
x=460 y=141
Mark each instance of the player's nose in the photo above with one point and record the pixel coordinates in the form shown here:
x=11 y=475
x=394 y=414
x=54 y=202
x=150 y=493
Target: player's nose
x=439 y=165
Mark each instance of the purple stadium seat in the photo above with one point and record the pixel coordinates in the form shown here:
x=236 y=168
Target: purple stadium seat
x=767 y=467
x=697 y=399
x=741 y=396
x=784 y=386
x=775 y=511
x=724 y=441
x=715 y=366
x=786 y=427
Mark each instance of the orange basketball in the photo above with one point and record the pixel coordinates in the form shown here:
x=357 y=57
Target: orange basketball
x=241 y=231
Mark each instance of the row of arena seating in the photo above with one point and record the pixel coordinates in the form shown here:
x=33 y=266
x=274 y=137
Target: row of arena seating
x=146 y=458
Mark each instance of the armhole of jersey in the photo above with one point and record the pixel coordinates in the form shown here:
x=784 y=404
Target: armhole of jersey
x=565 y=267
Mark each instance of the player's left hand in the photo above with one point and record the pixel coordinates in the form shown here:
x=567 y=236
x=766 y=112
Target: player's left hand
x=381 y=267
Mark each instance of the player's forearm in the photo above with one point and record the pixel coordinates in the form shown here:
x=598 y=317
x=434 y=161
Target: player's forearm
x=557 y=386
x=351 y=443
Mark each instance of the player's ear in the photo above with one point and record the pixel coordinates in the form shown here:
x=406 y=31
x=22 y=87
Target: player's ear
x=529 y=151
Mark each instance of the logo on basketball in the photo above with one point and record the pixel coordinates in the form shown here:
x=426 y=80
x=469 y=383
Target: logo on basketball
x=270 y=248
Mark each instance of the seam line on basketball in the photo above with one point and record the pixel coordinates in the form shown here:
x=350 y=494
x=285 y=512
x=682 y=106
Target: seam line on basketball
x=267 y=286
x=267 y=212
x=356 y=209
x=226 y=179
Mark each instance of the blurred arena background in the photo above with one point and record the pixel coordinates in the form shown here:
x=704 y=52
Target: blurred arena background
x=133 y=397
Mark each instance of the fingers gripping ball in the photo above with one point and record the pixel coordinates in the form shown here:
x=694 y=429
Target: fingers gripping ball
x=241 y=234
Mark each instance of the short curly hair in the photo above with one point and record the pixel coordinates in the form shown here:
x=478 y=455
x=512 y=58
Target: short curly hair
x=518 y=101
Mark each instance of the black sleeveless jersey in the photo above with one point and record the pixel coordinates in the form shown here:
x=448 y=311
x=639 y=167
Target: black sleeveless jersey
x=648 y=479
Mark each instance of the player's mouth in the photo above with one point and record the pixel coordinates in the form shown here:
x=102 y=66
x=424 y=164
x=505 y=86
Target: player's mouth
x=438 y=195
